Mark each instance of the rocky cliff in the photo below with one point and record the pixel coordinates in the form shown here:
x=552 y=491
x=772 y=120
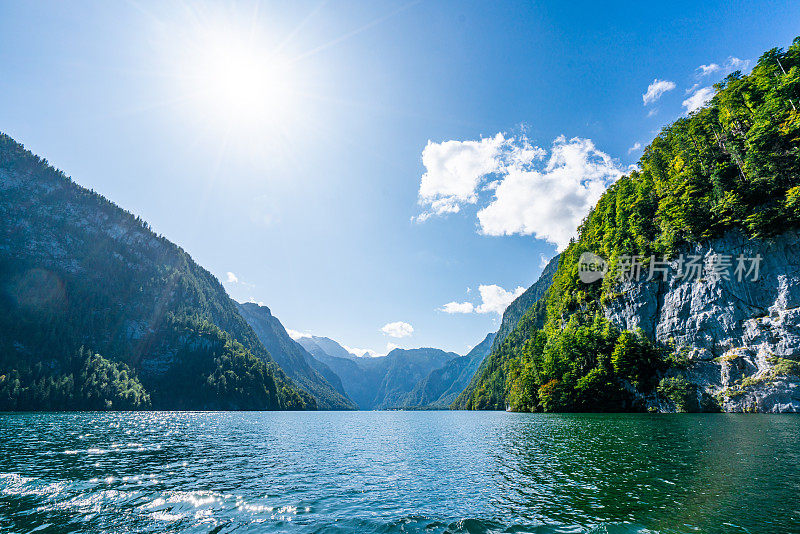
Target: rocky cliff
x=738 y=340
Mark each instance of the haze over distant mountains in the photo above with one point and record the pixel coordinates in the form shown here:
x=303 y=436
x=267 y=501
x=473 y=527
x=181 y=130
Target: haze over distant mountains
x=383 y=382
x=324 y=346
x=313 y=375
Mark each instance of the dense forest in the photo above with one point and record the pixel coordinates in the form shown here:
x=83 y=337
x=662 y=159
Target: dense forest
x=734 y=164
x=78 y=271
x=86 y=381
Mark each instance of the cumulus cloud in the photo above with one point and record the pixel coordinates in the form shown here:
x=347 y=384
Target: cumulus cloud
x=656 y=89
x=698 y=99
x=453 y=171
x=730 y=65
x=543 y=261
x=232 y=278
x=705 y=70
x=550 y=203
x=494 y=299
x=397 y=329
x=532 y=194
x=636 y=146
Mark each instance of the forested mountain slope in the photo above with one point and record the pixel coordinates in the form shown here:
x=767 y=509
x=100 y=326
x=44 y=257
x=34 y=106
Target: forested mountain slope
x=520 y=305
x=295 y=361
x=486 y=388
x=723 y=181
x=78 y=271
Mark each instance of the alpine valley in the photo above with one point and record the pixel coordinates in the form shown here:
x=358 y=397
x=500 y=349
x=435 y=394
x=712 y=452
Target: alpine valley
x=100 y=313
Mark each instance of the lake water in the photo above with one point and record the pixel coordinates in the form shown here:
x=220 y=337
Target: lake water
x=398 y=472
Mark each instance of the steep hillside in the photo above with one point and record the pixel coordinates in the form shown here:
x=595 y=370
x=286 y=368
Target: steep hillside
x=441 y=387
x=713 y=188
x=78 y=271
x=487 y=388
x=382 y=382
x=294 y=359
x=520 y=305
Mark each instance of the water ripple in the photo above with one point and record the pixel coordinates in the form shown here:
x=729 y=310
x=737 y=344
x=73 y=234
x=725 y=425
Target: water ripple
x=389 y=472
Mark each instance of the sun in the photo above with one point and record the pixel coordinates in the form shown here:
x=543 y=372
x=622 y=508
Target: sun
x=242 y=82
x=234 y=80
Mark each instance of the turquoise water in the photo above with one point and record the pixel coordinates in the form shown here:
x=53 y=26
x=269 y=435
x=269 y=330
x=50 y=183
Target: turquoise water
x=398 y=472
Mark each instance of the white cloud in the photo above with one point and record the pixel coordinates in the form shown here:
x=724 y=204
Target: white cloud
x=294 y=334
x=636 y=146
x=397 y=329
x=551 y=203
x=652 y=112
x=548 y=203
x=494 y=299
x=698 y=99
x=454 y=170
x=705 y=70
x=254 y=301
x=458 y=307
x=656 y=89
x=232 y=278
x=543 y=261
x=730 y=65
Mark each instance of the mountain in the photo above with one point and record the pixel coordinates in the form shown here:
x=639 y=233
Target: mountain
x=314 y=376
x=77 y=271
x=515 y=310
x=520 y=316
x=711 y=217
x=441 y=386
x=382 y=382
x=486 y=388
x=317 y=345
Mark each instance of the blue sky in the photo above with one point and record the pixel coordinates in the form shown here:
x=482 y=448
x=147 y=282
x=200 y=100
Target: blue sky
x=405 y=154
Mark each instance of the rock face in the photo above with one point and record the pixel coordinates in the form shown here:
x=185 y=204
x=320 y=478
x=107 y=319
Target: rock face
x=740 y=338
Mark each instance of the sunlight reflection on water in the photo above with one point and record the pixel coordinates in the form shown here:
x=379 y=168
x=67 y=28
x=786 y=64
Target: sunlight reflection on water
x=398 y=471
